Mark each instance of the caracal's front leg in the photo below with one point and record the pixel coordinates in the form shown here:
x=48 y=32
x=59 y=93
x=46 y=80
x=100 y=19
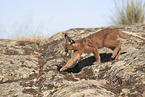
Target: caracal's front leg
x=96 y=54
x=74 y=58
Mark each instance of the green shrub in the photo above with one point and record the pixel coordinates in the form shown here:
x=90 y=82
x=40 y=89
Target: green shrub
x=129 y=12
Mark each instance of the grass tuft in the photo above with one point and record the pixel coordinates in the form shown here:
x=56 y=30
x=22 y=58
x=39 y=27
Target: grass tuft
x=129 y=12
x=32 y=38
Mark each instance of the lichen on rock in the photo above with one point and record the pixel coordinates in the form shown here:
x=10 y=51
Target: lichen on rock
x=30 y=68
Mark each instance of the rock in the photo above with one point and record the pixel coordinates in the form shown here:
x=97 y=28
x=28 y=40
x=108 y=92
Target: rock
x=29 y=68
x=85 y=88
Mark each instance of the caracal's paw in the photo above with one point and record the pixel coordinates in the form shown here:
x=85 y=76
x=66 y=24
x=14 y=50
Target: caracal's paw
x=62 y=69
x=112 y=58
x=96 y=62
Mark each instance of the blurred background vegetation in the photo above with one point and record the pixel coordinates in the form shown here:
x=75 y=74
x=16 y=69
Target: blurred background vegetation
x=29 y=30
x=128 y=12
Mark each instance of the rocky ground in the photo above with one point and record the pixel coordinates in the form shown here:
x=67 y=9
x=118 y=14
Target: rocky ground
x=30 y=68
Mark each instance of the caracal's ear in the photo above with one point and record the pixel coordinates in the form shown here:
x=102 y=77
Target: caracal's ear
x=68 y=39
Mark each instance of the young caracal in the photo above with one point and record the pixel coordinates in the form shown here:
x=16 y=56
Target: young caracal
x=91 y=44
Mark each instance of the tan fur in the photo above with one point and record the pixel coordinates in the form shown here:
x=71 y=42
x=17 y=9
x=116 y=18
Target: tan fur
x=91 y=44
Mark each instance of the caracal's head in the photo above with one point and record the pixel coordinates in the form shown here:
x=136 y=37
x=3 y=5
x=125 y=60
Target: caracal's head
x=69 y=43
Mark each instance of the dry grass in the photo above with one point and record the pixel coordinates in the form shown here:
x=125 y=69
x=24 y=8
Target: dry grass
x=32 y=38
x=129 y=12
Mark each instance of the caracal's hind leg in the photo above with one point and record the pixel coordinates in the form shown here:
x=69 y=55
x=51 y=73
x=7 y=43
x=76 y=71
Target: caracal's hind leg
x=114 y=45
x=118 y=53
x=117 y=50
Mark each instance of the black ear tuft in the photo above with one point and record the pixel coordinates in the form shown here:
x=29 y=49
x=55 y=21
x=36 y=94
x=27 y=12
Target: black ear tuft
x=68 y=39
x=65 y=35
x=72 y=42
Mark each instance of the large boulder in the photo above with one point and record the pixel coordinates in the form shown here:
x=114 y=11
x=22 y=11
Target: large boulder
x=31 y=68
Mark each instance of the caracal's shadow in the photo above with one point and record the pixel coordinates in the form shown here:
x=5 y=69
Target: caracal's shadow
x=105 y=57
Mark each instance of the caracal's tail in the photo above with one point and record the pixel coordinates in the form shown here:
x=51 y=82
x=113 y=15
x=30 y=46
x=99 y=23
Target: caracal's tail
x=123 y=35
